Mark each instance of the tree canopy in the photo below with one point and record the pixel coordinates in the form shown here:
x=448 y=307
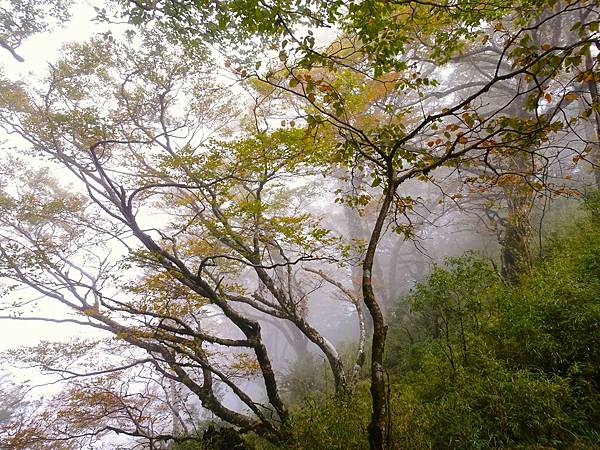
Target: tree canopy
x=176 y=182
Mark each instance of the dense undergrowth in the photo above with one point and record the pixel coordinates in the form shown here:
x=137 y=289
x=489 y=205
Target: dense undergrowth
x=475 y=363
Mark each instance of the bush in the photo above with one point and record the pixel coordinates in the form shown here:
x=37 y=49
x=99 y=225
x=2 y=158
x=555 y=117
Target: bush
x=327 y=422
x=499 y=366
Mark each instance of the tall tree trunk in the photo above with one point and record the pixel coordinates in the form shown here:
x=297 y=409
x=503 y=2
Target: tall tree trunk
x=362 y=334
x=356 y=230
x=594 y=140
x=516 y=253
x=515 y=241
x=378 y=427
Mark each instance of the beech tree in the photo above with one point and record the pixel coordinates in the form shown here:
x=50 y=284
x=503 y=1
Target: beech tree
x=122 y=402
x=164 y=183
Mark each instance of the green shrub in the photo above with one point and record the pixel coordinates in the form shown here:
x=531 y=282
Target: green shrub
x=494 y=366
x=326 y=422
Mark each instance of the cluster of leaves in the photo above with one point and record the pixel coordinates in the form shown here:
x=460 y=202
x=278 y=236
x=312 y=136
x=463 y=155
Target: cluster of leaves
x=20 y=19
x=505 y=366
x=234 y=25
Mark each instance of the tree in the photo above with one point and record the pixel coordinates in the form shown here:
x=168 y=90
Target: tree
x=121 y=400
x=173 y=238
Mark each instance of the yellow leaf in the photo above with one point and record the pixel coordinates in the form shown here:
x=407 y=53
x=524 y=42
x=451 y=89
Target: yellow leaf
x=571 y=96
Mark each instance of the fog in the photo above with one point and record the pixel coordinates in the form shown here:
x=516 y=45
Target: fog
x=188 y=243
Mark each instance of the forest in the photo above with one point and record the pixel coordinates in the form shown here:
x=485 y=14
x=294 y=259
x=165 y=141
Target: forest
x=299 y=224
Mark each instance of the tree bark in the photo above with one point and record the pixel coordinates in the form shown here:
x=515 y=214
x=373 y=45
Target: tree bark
x=516 y=252
x=378 y=427
x=594 y=141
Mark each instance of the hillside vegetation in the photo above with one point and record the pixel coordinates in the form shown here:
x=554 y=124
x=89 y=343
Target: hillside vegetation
x=475 y=363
